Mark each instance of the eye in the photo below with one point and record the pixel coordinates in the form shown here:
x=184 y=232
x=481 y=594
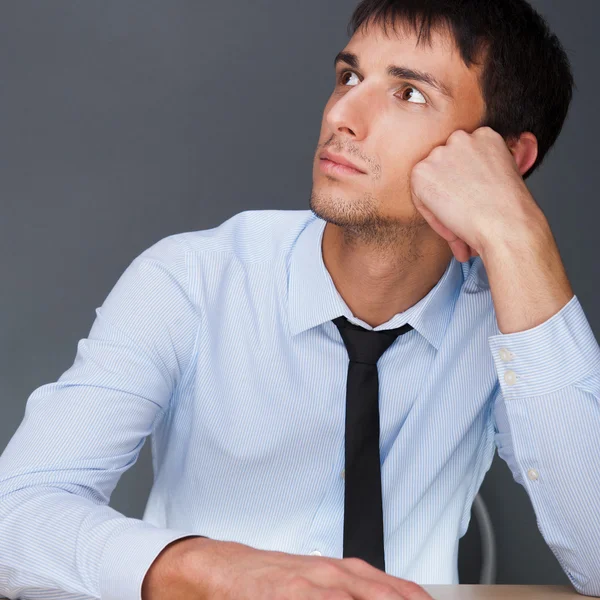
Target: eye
x=412 y=87
x=342 y=76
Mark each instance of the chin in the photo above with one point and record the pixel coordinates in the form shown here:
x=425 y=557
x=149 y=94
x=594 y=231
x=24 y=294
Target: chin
x=342 y=208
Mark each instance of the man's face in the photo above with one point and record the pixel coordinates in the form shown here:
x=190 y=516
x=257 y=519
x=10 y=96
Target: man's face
x=386 y=125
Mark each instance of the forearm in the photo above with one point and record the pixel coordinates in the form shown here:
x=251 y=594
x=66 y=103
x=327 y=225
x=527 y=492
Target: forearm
x=551 y=446
x=547 y=415
x=54 y=540
x=166 y=577
x=527 y=278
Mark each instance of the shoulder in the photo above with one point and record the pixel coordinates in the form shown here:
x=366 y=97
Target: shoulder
x=250 y=235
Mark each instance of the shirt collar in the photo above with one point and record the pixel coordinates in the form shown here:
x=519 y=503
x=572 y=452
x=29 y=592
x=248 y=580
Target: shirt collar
x=313 y=298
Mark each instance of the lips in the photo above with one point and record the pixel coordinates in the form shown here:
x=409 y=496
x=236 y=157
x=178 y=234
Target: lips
x=338 y=158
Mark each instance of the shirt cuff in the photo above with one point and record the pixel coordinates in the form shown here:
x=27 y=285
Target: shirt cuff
x=543 y=359
x=127 y=557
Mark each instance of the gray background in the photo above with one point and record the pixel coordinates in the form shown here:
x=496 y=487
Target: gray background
x=120 y=122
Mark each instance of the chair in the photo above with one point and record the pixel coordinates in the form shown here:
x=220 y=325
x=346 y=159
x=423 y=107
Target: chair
x=487 y=575
x=477 y=548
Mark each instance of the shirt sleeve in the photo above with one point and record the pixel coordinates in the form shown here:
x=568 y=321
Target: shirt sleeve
x=58 y=537
x=547 y=421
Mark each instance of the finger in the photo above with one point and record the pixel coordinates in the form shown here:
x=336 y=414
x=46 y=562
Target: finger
x=325 y=593
x=366 y=573
x=435 y=223
x=460 y=249
x=303 y=588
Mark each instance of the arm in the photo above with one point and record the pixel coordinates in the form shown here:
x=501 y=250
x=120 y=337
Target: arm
x=80 y=433
x=547 y=413
x=547 y=422
x=472 y=193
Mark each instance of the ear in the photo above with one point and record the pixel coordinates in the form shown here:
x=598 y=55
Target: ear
x=524 y=150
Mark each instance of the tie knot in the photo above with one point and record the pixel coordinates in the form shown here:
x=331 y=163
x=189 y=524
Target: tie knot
x=365 y=345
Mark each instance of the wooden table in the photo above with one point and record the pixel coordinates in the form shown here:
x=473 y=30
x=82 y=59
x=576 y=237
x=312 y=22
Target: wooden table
x=500 y=592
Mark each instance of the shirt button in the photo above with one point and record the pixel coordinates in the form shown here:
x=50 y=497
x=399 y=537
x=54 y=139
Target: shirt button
x=505 y=355
x=510 y=377
x=343 y=474
x=315 y=553
x=532 y=474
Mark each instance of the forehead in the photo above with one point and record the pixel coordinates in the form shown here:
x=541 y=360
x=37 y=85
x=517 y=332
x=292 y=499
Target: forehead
x=377 y=48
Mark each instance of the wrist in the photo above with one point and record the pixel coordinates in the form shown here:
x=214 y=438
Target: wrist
x=167 y=569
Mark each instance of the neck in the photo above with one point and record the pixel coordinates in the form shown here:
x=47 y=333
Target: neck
x=380 y=279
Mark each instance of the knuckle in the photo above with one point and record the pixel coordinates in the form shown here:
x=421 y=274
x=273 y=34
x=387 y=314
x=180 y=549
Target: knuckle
x=458 y=134
x=384 y=591
x=437 y=151
x=420 y=169
x=298 y=582
x=355 y=561
x=361 y=566
x=488 y=131
x=412 y=590
x=329 y=569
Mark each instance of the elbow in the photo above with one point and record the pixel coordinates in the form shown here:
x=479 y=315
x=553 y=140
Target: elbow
x=585 y=584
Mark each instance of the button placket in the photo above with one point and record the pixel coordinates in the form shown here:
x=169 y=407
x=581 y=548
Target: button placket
x=319 y=532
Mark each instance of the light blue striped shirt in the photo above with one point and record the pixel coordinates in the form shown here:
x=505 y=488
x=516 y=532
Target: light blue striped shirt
x=219 y=343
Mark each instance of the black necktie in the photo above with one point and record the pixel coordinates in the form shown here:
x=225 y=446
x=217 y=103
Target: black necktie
x=363 y=509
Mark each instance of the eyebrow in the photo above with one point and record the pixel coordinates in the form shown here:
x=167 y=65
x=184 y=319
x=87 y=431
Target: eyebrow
x=399 y=72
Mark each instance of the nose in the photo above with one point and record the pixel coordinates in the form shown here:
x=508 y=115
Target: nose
x=349 y=114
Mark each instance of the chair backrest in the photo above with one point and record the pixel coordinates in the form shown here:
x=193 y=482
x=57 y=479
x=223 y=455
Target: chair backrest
x=477 y=548
x=487 y=574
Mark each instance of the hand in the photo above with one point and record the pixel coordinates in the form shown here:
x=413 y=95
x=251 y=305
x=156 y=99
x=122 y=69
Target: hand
x=470 y=190
x=232 y=571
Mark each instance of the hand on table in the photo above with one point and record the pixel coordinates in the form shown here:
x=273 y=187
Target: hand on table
x=207 y=569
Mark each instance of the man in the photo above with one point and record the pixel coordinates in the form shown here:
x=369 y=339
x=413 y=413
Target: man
x=232 y=346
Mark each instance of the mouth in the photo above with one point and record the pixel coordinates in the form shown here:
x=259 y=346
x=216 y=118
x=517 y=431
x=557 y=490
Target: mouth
x=334 y=168
x=340 y=160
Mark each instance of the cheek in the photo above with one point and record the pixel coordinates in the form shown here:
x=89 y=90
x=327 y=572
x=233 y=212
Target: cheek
x=402 y=150
x=409 y=136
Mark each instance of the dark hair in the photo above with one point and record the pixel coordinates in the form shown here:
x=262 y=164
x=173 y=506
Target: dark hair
x=526 y=81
